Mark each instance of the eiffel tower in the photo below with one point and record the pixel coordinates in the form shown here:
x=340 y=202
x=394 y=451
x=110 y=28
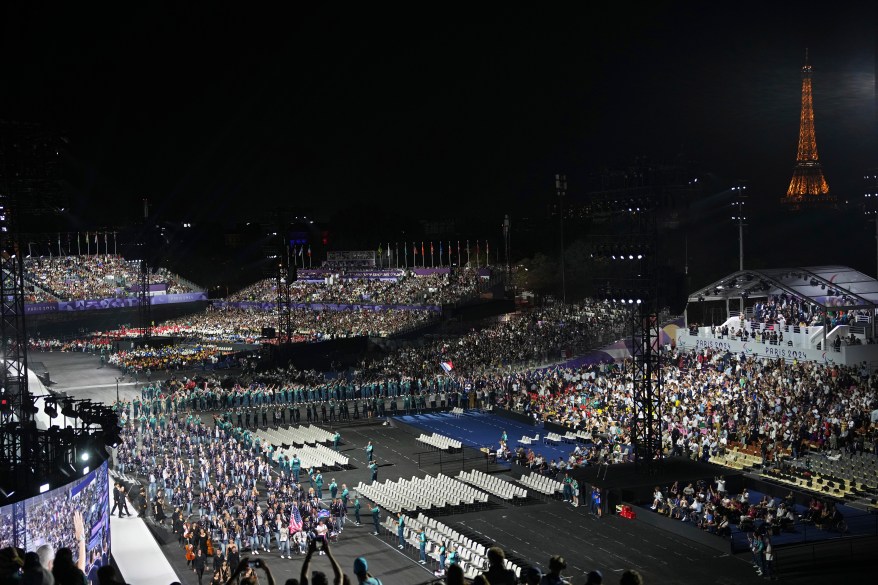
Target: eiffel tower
x=808 y=186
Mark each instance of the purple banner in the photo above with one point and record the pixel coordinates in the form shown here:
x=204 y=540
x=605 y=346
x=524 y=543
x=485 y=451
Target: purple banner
x=258 y=306
x=429 y=271
x=40 y=308
x=111 y=303
x=97 y=304
x=171 y=299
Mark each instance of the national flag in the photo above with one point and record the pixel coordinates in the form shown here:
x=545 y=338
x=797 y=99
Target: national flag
x=414 y=249
x=440 y=250
x=431 y=247
x=447 y=366
x=301 y=250
x=422 y=249
x=388 y=249
x=295 y=520
x=309 y=250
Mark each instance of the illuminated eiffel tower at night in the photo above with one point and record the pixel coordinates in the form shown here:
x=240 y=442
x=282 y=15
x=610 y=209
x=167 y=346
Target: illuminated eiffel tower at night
x=808 y=186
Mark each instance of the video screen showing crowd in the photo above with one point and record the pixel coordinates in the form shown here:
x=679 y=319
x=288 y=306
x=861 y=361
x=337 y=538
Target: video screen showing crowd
x=66 y=530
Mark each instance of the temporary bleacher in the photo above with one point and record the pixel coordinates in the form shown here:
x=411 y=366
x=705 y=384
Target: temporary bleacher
x=472 y=555
x=541 y=483
x=423 y=494
x=493 y=485
x=440 y=441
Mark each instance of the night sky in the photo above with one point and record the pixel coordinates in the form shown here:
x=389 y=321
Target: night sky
x=214 y=112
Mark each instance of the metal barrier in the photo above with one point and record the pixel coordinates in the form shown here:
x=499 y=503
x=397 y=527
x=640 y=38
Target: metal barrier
x=451 y=461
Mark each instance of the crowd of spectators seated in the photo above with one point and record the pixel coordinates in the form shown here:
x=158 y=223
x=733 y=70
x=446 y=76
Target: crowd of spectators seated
x=68 y=278
x=710 y=400
x=405 y=288
x=536 y=336
x=232 y=324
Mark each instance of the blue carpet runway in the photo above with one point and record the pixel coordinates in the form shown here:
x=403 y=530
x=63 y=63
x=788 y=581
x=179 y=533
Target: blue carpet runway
x=477 y=429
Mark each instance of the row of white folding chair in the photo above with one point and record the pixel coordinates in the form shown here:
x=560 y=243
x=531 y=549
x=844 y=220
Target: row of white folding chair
x=541 y=483
x=395 y=496
x=309 y=434
x=449 y=486
x=292 y=435
x=437 y=531
x=309 y=461
x=492 y=485
x=385 y=500
x=439 y=441
x=332 y=454
x=499 y=485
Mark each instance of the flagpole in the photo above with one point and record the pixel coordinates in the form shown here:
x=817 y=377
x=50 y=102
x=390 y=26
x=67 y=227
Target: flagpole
x=87 y=245
x=405 y=251
x=78 y=244
x=59 y=245
x=115 y=252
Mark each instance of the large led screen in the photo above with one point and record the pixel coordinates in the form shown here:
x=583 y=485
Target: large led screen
x=59 y=515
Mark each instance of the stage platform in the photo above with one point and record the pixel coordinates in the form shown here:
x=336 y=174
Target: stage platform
x=138 y=555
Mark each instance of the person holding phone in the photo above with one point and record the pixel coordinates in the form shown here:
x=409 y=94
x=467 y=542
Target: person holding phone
x=246 y=570
x=338 y=576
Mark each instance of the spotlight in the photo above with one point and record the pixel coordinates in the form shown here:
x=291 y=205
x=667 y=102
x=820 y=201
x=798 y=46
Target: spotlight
x=44 y=488
x=84 y=456
x=85 y=470
x=51 y=409
x=68 y=409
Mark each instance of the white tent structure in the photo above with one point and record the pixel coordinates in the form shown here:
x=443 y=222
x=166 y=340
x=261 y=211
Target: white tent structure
x=814 y=298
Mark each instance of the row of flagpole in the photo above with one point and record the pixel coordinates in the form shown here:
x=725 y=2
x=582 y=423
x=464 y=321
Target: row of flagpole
x=97 y=236
x=298 y=253
x=449 y=254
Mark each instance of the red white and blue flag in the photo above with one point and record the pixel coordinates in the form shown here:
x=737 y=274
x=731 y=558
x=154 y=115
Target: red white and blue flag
x=295 y=520
x=447 y=366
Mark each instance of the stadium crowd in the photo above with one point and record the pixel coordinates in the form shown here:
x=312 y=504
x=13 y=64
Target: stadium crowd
x=400 y=287
x=245 y=325
x=70 y=278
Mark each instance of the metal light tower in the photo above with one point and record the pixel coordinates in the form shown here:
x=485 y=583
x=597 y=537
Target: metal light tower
x=561 y=190
x=870 y=203
x=740 y=217
x=507 y=244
